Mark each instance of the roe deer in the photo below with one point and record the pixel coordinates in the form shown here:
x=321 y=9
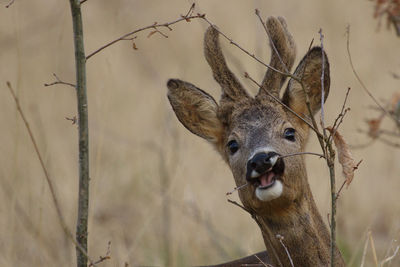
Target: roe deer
x=251 y=133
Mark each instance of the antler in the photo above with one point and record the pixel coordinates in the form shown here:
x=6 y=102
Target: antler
x=231 y=87
x=283 y=55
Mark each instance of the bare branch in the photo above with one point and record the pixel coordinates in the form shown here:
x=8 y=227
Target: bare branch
x=240 y=206
x=365 y=250
x=10 y=3
x=302 y=153
x=246 y=75
x=362 y=146
x=154 y=26
x=388 y=133
x=321 y=36
x=236 y=189
x=231 y=41
x=389 y=143
x=329 y=152
x=371 y=239
x=103 y=258
x=387 y=113
x=83 y=132
x=263 y=263
x=59 y=81
x=390 y=257
x=47 y=176
x=345 y=181
x=280 y=238
x=271 y=41
x=340 y=117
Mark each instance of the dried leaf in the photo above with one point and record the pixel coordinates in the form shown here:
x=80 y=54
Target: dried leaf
x=344 y=156
x=395 y=101
x=374 y=126
x=134 y=46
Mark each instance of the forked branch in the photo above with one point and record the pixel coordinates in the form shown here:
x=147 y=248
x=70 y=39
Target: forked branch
x=384 y=110
x=155 y=27
x=59 y=81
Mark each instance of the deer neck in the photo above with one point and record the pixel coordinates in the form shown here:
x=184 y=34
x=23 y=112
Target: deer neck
x=300 y=233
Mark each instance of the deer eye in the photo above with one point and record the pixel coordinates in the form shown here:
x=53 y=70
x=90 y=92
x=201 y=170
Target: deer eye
x=289 y=134
x=233 y=146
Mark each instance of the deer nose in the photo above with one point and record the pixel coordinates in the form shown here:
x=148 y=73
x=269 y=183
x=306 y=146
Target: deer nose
x=260 y=163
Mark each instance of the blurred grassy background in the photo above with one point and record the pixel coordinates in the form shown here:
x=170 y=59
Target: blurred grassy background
x=157 y=191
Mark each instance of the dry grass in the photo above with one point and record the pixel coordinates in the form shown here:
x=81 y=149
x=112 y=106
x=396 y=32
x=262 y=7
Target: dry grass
x=132 y=128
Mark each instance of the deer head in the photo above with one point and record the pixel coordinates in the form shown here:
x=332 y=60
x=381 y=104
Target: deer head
x=251 y=133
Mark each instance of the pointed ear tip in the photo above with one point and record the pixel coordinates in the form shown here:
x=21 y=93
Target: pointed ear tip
x=317 y=49
x=272 y=21
x=212 y=31
x=173 y=84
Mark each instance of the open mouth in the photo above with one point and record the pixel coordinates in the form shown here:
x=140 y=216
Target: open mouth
x=268 y=178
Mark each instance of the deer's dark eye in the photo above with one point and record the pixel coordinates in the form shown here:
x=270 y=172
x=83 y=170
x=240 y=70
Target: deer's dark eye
x=289 y=134
x=233 y=146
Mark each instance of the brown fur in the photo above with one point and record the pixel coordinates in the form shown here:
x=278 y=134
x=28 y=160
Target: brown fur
x=260 y=122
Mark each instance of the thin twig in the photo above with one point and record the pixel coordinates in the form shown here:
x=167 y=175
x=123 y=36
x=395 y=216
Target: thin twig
x=341 y=115
x=10 y=3
x=280 y=238
x=59 y=81
x=362 y=146
x=340 y=189
x=187 y=18
x=246 y=75
x=320 y=137
x=389 y=143
x=371 y=239
x=236 y=189
x=302 y=153
x=263 y=263
x=330 y=161
x=232 y=42
x=387 y=113
x=390 y=257
x=345 y=181
x=365 y=250
x=103 y=258
x=46 y=174
x=388 y=133
x=321 y=37
x=154 y=26
x=271 y=41
x=240 y=206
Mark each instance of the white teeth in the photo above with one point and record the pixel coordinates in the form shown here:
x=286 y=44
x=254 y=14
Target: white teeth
x=254 y=174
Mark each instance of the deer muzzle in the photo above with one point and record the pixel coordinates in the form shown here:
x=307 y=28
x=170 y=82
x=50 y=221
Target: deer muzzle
x=264 y=171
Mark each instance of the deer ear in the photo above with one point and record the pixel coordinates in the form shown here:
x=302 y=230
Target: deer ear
x=309 y=71
x=195 y=109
